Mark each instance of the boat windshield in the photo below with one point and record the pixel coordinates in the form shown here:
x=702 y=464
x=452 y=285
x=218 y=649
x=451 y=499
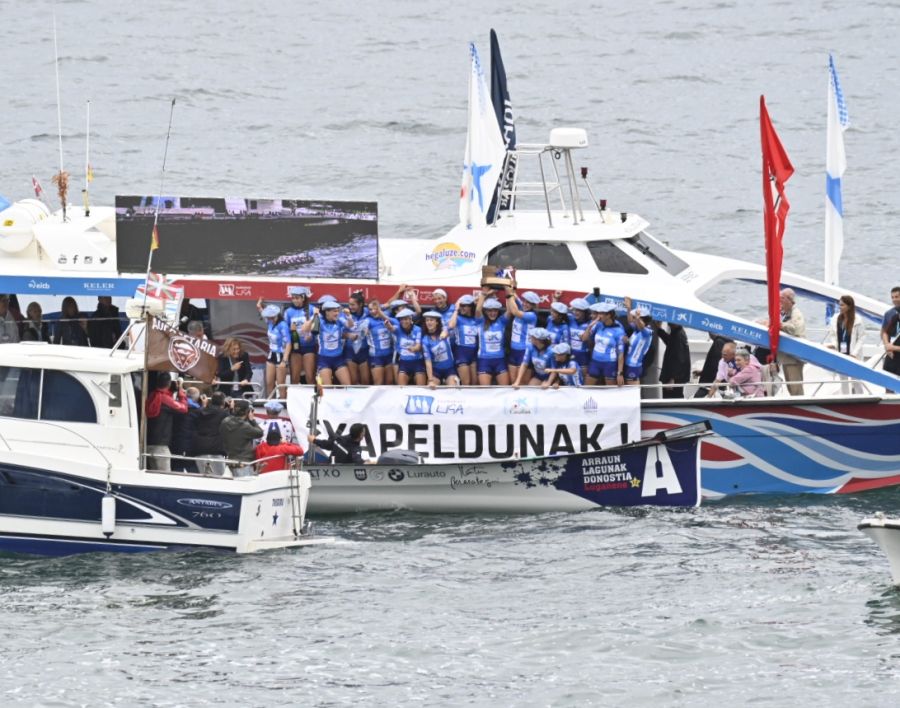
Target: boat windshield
x=657 y=252
x=533 y=255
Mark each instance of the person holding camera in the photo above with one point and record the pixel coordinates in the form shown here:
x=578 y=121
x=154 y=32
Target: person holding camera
x=160 y=408
x=239 y=434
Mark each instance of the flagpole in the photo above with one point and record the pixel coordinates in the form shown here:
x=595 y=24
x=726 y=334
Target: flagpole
x=154 y=239
x=154 y=244
x=62 y=178
x=87 y=161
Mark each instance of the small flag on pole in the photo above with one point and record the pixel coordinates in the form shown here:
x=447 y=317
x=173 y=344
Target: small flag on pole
x=835 y=164
x=154 y=238
x=90 y=173
x=38 y=190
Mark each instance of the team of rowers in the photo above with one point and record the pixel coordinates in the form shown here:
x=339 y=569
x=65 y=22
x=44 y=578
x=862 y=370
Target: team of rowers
x=494 y=338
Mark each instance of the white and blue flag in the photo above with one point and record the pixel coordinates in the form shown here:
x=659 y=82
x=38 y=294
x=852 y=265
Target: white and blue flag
x=835 y=164
x=485 y=150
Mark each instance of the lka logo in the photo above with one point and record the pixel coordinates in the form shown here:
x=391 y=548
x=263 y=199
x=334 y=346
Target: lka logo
x=429 y=405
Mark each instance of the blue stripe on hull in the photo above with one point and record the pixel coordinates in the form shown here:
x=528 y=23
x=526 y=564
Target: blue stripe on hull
x=48 y=546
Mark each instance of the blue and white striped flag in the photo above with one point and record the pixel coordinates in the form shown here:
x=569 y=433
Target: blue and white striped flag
x=485 y=150
x=835 y=164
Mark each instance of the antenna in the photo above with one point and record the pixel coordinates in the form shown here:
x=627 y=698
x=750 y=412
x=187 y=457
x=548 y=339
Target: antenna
x=61 y=179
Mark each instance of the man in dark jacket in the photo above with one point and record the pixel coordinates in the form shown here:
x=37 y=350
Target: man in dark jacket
x=160 y=408
x=676 y=364
x=711 y=364
x=104 y=327
x=239 y=433
x=207 y=441
x=345 y=449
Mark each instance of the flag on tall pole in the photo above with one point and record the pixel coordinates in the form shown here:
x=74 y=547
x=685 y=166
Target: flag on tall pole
x=154 y=238
x=506 y=121
x=776 y=171
x=485 y=150
x=835 y=164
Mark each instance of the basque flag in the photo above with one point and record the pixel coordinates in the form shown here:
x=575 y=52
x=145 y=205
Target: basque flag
x=835 y=164
x=484 y=150
x=503 y=109
x=776 y=171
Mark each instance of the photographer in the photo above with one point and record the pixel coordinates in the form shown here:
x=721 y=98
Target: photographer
x=345 y=449
x=239 y=431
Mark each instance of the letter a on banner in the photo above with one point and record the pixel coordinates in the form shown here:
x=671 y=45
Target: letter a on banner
x=659 y=473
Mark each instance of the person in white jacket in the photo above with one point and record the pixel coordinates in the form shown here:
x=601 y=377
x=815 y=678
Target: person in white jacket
x=847 y=334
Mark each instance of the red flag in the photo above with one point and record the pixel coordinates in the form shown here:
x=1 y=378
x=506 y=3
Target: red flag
x=776 y=170
x=38 y=190
x=154 y=238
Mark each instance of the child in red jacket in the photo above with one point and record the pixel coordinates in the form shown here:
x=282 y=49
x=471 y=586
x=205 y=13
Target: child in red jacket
x=274 y=446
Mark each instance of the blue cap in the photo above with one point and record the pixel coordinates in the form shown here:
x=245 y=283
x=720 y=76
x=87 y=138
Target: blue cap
x=579 y=303
x=271 y=311
x=433 y=313
x=492 y=304
x=540 y=333
x=274 y=407
x=296 y=290
x=603 y=307
x=330 y=305
x=467 y=300
x=561 y=348
x=405 y=312
x=560 y=307
x=327 y=298
x=532 y=297
x=398 y=303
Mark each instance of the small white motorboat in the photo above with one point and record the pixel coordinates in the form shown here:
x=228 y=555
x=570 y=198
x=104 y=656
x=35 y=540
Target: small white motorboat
x=886 y=533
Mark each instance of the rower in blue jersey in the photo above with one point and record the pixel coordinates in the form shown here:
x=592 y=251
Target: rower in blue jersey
x=639 y=342
x=538 y=358
x=408 y=345
x=378 y=329
x=608 y=354
x=491 y=335
x=303 y=348
x=463 y=328
x=579 y=321
x=565 y=370
x=524 y=318
x=558 y=323
x=334 y=328
x=356 y=350
x=436 y=346
x=442 y=306
x=279 y=336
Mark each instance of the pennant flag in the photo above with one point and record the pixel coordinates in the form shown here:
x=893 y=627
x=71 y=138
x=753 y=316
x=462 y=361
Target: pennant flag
x=170 y=349
x=158 y=291
x=484 y=150
x=504 y=113
x=90 y=173
x=776 y=171
x=38 y=190
x=154 y=238
x=835 y=164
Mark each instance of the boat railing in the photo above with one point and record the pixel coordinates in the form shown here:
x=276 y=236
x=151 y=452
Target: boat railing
x=208 y=466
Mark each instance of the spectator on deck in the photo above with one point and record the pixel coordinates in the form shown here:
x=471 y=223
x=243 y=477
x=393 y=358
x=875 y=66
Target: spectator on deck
x=161 y=407
x=711 y=364
x=273 y=447
x=207 y=440
x=9 y=328
x=726 y=364
x=239 y=432
x=104 y=327
x=195 y=329
x=182 y=442
x=745 y=377
x=890 y=334
x=676 y=363
x=303 y=346
x=792 y=323
x=72 y=327
x=36 y=329
x=847 y=333
x=279 y=337
x=234 y=373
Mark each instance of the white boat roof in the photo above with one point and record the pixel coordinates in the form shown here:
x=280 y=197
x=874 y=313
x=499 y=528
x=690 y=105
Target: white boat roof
x=41 y=355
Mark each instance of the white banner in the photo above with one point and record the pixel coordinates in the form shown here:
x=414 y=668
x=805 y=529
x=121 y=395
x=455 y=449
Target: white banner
x=475 y=424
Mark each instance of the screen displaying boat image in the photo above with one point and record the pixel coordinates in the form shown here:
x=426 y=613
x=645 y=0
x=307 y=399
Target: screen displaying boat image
x=266 y=237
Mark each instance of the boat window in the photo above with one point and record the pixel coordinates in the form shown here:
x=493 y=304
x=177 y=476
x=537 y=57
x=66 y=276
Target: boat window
x=63 y=397
x=19 y=392
x=532 y=255
x=609 y=258
x=657 y=252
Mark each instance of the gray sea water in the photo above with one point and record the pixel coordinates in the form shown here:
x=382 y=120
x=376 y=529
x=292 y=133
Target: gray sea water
x=763 y=601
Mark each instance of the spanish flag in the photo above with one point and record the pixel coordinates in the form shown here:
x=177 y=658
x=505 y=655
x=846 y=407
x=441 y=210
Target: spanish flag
x=154 y=238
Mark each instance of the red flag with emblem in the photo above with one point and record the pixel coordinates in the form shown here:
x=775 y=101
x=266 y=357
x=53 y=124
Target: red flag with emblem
x=776 y=171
